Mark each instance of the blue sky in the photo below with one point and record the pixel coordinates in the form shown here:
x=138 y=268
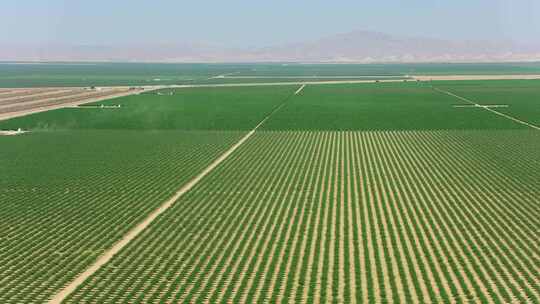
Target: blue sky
x=241 y=23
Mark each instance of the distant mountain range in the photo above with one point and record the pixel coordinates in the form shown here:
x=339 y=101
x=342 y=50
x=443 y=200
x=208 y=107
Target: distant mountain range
x=353 y=47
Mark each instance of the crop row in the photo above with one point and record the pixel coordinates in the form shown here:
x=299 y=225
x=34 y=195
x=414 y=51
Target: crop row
x=318 y=217
x=67 y=196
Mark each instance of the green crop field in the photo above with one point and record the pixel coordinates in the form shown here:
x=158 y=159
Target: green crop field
x=344 y=193
x=83 y=177
x=521 y=96
x=384 y=216
x=180 y=109
x=135 y=74
x=106 y=74
x=68 y=195
x=295 y=79
x=381 y=106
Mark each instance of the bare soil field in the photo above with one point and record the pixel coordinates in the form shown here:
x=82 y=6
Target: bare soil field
x=4 y=92
x=46 y=100
x=24 y=97
x=29 y=103
x=13 y=94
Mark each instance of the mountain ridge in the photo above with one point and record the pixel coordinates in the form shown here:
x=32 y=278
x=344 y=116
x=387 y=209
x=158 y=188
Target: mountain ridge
x=351 y=47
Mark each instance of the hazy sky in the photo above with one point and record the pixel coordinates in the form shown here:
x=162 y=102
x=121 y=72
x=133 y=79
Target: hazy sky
x=260 y=23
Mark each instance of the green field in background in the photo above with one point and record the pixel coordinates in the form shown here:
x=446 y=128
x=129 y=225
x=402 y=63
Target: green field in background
x=381 y=106
x=132 y=74
x=296 y=79
x=232 y=108
x=521 y=96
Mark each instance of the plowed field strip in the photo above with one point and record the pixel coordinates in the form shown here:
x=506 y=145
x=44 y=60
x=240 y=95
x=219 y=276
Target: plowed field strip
x=8 y=92
x=26 y=93
x=27 y=98
x=49 y=101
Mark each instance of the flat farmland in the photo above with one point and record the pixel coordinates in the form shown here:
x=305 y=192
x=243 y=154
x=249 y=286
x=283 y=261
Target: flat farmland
x=390 y=69
x=20 y=102
x=58 y=74
x=298 y=79
x=84 y=74
x=399 y=192
x=381 y=106
x=67 y=196
x=376 y=216
x=521 y=97
x=71 y=191
x=168 y=109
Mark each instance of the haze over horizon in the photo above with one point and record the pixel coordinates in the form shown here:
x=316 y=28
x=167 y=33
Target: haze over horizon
x=242 y=23
x=106 y=30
